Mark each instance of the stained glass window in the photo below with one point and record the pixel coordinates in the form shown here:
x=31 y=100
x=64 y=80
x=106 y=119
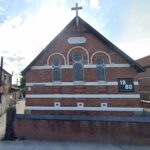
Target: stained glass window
x=100 y=69
x=78 y=71
x=56 y=70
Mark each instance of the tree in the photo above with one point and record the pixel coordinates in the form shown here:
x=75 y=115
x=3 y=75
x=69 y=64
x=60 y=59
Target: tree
x=22 y=82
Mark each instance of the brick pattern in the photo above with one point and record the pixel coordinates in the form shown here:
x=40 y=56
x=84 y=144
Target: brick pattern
x=87 y=102
x=144 y=77
x=93 y=44
x=76 y=89
x=124 y=132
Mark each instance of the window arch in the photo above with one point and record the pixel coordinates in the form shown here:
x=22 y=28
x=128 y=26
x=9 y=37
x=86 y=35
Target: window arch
x=78 y=71
x=100 y=69
x=56 y=68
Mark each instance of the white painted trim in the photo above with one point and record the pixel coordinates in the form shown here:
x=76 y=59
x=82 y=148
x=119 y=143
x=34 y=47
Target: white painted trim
x=117 y=65
x=109 y=58
x=99 y=83
x=56 y=54
x=93 y=96
x=122 y=109
x=85 y=66
x=81 y=47
x=145 y=101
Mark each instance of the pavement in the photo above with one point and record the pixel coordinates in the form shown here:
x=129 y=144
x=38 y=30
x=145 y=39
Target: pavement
x=64 y=145
x=2 y=125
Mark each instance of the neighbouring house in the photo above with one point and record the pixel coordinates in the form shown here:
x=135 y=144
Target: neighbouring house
x=5 y=90
x=5 y=86
x=9 y=94
x=144 y=79
x=82 y=72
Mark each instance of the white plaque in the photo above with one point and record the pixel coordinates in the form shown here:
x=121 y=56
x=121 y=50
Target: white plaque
x=76 y=40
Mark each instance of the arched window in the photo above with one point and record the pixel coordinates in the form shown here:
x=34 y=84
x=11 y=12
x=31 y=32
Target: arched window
x=56 y=70
x=100 y=69
x=78 y=67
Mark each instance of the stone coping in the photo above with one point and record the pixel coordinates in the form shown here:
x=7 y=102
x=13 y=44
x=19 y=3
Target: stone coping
x=132 y=119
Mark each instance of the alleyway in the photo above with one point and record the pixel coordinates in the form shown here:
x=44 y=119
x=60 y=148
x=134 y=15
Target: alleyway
x=2 y=125
x=20 y=110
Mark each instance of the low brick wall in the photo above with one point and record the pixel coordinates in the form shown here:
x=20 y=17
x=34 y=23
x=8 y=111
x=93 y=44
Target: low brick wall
x=95 y=128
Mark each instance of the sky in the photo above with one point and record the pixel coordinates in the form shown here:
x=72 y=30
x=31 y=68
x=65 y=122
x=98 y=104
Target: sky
x=27 y=26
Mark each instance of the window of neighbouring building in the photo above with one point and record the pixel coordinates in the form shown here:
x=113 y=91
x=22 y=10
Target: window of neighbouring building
x=56 y=70
x=78 y=70
x=100 y=69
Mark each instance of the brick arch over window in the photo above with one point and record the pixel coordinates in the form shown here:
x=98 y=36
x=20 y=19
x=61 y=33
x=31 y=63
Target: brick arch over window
x=81 y=48
x=106 y=56
x=56 y=55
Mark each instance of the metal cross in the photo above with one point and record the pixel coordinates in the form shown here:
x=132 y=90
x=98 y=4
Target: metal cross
x=76 y=8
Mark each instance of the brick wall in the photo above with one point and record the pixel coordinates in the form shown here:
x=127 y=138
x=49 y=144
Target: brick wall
x=91 y=50
x=108 y=129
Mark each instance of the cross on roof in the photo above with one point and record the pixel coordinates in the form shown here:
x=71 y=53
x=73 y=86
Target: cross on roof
x=76 y=8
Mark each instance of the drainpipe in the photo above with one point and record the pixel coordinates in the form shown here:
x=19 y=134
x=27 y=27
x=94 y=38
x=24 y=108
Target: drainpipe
x=1 y=72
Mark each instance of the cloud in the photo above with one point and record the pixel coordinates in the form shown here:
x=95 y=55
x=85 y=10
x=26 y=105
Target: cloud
x=1 y=10
x=23 y=38
x=136 y=48
x=16 y=59
x=82 y=3
x=94 y=4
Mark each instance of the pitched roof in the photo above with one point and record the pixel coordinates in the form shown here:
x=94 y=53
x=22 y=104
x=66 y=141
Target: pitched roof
x=6 y=71
x=137 y=66
x=144 y=61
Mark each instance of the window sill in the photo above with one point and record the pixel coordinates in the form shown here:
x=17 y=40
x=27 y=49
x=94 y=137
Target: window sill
x=101 y=82
x=78 y=82
x=57 y=82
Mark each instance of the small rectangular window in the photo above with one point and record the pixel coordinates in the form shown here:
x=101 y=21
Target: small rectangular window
x=104 y=105
x=29 y=88
x=80 y=104
x=56 y=104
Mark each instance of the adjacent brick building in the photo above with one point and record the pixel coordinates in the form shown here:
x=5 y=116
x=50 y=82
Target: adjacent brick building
x=144 y=77
x=81 y=72
x=5 y=86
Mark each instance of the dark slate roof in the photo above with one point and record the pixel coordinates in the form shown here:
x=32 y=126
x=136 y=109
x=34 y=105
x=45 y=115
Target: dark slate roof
x=133 y=63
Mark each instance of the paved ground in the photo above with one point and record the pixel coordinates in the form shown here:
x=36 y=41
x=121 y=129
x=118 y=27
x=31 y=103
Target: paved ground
x=2 y=125
x=56 y=145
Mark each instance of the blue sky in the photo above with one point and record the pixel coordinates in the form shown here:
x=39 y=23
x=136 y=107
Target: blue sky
x=27 y=26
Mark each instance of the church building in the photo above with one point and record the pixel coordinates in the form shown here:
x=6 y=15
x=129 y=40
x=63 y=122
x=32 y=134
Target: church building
x=80 y=72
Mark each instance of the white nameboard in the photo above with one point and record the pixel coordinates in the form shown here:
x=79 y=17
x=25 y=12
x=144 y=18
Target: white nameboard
x=76 y=40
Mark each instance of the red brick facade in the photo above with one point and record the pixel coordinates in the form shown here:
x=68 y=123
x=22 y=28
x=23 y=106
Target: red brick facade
x=42 y=91
x=144 y=77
